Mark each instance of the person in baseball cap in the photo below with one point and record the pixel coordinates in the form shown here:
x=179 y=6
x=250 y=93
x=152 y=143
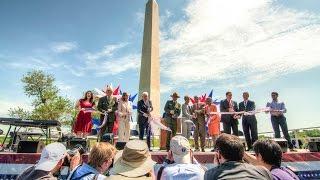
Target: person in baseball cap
x=180 y=163
x=180 y=150
x=51 y=160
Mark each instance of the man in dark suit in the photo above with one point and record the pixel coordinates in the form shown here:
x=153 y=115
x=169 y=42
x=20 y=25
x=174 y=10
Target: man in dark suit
x=249 y=122
x=107 y=104
x=144 y=109
x=172 y=112
x=229 y=120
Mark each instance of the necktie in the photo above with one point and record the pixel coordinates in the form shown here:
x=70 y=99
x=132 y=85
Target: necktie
x=230 y=104
x=245 y=105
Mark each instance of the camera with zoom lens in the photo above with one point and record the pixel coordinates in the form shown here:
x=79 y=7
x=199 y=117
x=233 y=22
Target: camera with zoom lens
x=77 y=148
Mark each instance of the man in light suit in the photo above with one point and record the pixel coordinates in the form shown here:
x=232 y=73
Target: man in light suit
x=144 y=109
x=249 y=122
x=230 y=121
x=186 y=115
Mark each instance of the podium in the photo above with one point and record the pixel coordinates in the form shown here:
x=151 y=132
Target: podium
x=163 y=133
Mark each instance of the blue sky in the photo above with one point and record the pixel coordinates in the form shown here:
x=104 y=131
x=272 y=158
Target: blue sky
x=250 y=45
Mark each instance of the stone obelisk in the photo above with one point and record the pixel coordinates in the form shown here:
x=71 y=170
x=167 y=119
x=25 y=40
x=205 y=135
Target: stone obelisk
x=150 y=64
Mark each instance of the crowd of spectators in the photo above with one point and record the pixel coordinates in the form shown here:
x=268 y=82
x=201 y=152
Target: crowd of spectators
x=134 y=162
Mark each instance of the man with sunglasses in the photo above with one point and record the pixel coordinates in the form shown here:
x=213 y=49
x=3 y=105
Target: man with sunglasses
x=277 y=110
x=229 y=160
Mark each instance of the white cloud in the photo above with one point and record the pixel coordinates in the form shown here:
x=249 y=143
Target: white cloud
x=76 y=71
x=36 y=62
x=62 y=47
x=107 y=51
x=119 y=65
x=239 y=42
x=165 y=88
x=64 y=86
x=103 y=63
x=139 y=18
x=6 y=105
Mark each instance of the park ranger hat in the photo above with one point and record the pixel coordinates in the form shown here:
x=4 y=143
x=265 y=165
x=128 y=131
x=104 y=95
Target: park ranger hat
x=175 y=94
x=109 y=88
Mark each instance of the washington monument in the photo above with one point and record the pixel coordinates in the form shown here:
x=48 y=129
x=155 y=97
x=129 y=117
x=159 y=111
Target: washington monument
x=150 y=65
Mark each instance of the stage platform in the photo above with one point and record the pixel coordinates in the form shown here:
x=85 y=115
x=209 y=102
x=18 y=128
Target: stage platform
x=305 y=164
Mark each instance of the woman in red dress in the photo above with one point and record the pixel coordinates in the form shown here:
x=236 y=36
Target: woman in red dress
x=83 y=124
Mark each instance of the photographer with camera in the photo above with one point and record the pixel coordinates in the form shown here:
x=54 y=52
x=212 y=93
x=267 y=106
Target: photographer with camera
x=51 y=160
x=100 y=159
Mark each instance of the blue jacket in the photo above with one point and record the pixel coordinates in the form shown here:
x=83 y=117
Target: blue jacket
x=85 y=172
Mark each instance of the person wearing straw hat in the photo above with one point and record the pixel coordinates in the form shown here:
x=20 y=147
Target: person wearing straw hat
x=107 y=104
x=133 y=162
x=51 y=160
x=172 y=112
x=180 y=163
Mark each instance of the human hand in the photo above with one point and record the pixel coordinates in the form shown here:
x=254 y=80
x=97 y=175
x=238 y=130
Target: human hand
x=171 y=111
x=230 y=109
x=75 y=160
x=170 y=156
x=216 y=160
x=145 y=114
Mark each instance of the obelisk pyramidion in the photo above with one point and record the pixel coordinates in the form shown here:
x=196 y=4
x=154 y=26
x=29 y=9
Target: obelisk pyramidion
x=150 y=65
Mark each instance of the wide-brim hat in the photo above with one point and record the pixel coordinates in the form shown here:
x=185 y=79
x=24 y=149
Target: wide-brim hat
x=175 y=94
x=109 y=88
x=134 y=161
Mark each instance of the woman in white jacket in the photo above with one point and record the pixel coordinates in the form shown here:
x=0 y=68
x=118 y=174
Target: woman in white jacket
x=124 y=112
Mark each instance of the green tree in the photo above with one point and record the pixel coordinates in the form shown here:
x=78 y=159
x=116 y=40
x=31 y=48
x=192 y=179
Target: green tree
x=46 y=102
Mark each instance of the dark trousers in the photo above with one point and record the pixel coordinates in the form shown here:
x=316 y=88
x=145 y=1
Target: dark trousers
x=199 y=131
x=107 y=128
x=282 y=122
x=232 y=124
x=172 y=124
x=250 y=130
x=144 y=127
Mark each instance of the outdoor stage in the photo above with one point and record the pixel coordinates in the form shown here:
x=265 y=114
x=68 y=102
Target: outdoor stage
x=305 y=164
